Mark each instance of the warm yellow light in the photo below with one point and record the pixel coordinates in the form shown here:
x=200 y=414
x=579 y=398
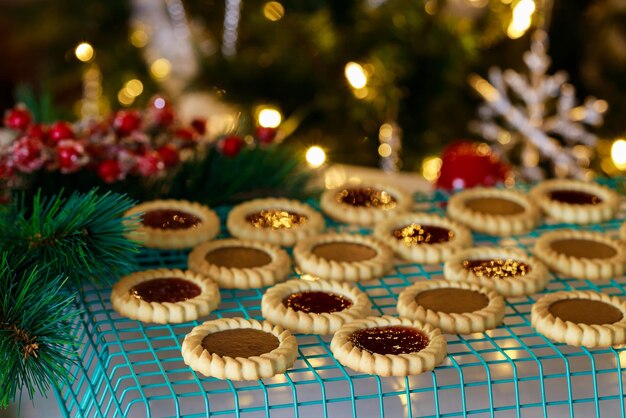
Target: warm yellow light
x=273 y=11
x=139 y=38
x=521 y=20
x=384 y=150
x=269 y=118
x=618 y=154
x=356 y=75
x=430 y=168
x=160 y=68
x=124 y=98
x=431 y=7
x=315 y=156
x=84 y=52
x=134 y=87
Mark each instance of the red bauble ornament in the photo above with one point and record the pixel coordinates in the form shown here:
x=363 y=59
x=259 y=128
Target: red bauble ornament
x=162 y=111
x=231 y=145
x=6 y=169
x=466 y=164
x=18 y=118
x=71 y=156
x=110 y=171
x=265 y=135
x=199 y=125
x=126 y=121
x=169 y=155
x=37 y=131
x=149 y=164
x=27 y=154
x=59 y=131
x=187 y=134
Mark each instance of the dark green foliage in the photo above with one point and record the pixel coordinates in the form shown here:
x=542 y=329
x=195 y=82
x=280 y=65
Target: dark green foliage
x=36 y=316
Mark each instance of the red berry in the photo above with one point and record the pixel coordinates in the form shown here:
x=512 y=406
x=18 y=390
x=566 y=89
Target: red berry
x=162 y=111
x=265 y=135
x=110 y=171
x=17 y=118
x=126 y=121
x=71 y=156
x=169 y=155
x=149 y=164
x=59 y=131
x=27 y=154
x=6 y=169
x=37 y=131
x=466 y=164
x=231 y=145
x=199 y=125
x=185 y=133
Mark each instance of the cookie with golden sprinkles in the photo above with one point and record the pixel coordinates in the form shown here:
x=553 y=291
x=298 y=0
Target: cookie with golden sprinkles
x=575 y=201
x=581 y=254
x=314 y=306
x=165 y=296
x=173 y=224
x=365 y=204
x=345 y=257
x=240 y=264
x=491 y=211
x=422 y=237
x=509 y=271
x=454 y=307
x=239 y=349
x=389 y=346
x=581 y=318
x=276 y=221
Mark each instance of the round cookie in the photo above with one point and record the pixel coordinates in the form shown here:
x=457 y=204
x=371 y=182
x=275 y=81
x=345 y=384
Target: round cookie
x=164 y=296
x=582 y=318
x=365 y=204
x=314 y=306
x=622 y=232
x=173 y=224
x=389 y=346
x=239 y=264
x=581 y=254
x=575 y=201
x=422 y=237
x=509 y=271
x=239 y=349
x=343 y=257
x=276 y=221
x=494 y=211
x=454 y=307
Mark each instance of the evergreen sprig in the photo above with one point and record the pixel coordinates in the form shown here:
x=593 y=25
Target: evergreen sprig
x=81 y=237
x=36 y=317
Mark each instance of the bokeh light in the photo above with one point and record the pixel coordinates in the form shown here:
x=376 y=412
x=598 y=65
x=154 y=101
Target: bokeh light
x=315 y=156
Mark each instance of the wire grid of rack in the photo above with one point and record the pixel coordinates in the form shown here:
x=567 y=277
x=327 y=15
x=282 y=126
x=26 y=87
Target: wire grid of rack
x=128 y=368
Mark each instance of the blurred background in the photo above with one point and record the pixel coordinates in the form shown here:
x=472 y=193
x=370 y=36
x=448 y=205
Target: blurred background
x=364 y=80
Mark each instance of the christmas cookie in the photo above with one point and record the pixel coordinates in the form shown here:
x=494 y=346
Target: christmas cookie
x=422 y=237
x=343 y=257
x=164 y=296
x=453 y=307
x=581 y=254
x=622 y=232
x=173 y=224
x=314 y=306
x=586 y=318
x=389 y=346
x=365 y=204
x=277 y=221
x=239 y=349
x=238 y=264
x=494 y=211
x=510 y=271
x=575 y=201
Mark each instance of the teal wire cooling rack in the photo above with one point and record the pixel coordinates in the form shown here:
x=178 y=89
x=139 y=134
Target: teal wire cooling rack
x=130 y=369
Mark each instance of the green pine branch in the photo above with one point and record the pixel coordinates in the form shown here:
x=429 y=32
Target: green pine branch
x=81 y=237
x=36 y=342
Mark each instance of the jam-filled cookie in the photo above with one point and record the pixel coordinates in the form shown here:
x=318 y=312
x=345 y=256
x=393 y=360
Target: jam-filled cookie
x=365 y=204
x=165 y=296
x=314 y=306
x=585 y=318
x=453 y=307
x=239 y=349
x=576 y=201
x=510 y=271
x=173 y=224
x=389 y=346
x=581 y=254
x=494 y=211
x=239 y=264
x=622 y=232
x=343 y=257
x=423 y=237
x=276 y=221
